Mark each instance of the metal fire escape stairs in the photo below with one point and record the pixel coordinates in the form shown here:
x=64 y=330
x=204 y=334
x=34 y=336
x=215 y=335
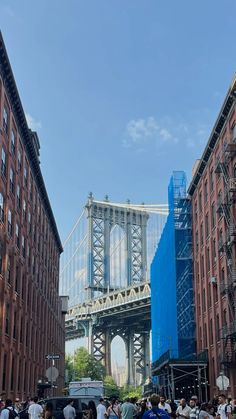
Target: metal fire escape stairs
x=226 y=206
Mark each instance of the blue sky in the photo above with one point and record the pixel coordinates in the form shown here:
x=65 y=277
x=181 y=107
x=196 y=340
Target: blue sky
x=121 y=92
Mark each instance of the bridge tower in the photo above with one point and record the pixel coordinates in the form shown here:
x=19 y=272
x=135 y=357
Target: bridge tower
x=102 y=217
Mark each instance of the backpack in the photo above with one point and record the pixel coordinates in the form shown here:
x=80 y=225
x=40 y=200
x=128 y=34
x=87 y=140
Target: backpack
x=226 y=406
x=12 y=413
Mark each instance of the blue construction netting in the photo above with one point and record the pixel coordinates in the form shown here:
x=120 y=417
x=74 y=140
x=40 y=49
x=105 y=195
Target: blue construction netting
x=172 y=308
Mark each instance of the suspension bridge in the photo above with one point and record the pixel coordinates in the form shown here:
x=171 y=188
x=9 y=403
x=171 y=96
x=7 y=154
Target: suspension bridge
x=105 y=272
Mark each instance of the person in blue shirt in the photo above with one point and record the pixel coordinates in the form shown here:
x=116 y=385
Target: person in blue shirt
x=155 y=412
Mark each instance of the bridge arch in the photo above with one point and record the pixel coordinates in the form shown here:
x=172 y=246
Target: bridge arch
x=118 y=359
x=118 y=265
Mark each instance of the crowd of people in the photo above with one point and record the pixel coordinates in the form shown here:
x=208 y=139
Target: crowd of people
x=157 y=406
x=147 y=408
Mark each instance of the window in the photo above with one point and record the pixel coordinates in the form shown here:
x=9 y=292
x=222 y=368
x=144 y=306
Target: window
x=221 y=238
x=29 y=220
x=201 y=234
x=214 y=250
x=25 y=176
x=217 y=327
x=9 y=223
x=13 y=142
x=17 y=280
x=200 y=202
x=17 y=236
x=207 y=225
x=204 y=300
x=209 y=294
x=211 y=332
x=7 y=320
x=19 y=159
x=8 y=273
x=222 y=279
x=13 y=367
x=213 y=215
x=23 y=245
x=5 y=119
x=202 y=266
x=3 y=163
x=18 y=196
x=195 y=211
x=24 y=209
x=225 y=317
x=205 y=336
x=4 y=373
x=12 y=180
x=208 y=259
x=234 y=172
x=15 y=325
x=1 y=208
x=197 y=243
x=205 y=192
x=211 y=181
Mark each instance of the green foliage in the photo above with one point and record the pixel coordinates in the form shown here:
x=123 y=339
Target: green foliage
x=110 y=387
x=82 y=364
x=131 y=391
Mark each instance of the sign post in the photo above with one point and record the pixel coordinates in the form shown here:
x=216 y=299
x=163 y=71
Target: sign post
x=52 y=372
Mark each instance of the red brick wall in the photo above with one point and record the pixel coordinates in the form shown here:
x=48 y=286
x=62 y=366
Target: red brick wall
x=212 y=308
x=31 y=324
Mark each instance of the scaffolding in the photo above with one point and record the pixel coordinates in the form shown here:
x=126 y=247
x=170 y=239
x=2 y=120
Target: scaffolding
x=181 y=378
x=226 y=208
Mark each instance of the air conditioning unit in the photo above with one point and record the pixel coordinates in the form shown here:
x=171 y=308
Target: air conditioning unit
x=213 y=280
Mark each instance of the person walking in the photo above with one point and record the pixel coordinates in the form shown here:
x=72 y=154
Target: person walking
x=8 y=411
x=48 y=411
x=183 y=411
x=128 y=409
x=69 y=410
x=155 y=411
x=101 y=409
x=164 y=405
x=113 y=411
x=92 y=411
x=194 y=414
x=224 y=410
x=35 y=410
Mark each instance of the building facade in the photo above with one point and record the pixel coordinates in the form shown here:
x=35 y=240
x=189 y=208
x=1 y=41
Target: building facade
x=31 y=318
x=213 y=194
x=173 y=323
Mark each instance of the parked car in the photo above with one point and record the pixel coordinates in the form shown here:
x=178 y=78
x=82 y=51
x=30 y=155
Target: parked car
x=80 y=405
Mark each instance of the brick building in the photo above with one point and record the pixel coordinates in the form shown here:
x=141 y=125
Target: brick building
x=31 y=318
x=213 y=192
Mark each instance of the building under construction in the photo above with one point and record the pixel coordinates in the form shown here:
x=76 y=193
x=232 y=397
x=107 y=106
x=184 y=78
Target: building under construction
x=213 y=194
x=177 y=372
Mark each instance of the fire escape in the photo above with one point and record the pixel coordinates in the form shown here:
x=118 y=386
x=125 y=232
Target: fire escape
x=227 y=246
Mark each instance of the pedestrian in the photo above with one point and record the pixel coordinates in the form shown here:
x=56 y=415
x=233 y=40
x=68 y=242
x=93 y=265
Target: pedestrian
x=17 y=405
x=155 y=411
x=164 y=405
x=69 y=410
x=128 y=409
x=224 y=410
x=113 y=411
x=101 y=409
x=183 y=411
x=35 y=410
x=48 y=411
x=8 y=411
x=142 y=409
x=194 y=414
x=204 y=411
x=233 y=407
x=92 y=411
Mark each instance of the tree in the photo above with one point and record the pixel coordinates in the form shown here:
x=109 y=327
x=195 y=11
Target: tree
x=131 y=391
x=82 y=364
x=110 y=387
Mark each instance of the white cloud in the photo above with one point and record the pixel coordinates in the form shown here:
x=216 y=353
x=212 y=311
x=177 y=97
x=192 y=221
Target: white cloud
x=141 y=134
x=32 y=123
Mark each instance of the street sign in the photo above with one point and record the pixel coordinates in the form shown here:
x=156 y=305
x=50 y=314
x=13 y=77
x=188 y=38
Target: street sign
x=52 y=356
x=52 y=374
x=222 y=382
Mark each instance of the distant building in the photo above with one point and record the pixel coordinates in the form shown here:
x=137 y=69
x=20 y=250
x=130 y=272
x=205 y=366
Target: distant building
x=173 y=323
x=31 y=319
x=213 y=194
